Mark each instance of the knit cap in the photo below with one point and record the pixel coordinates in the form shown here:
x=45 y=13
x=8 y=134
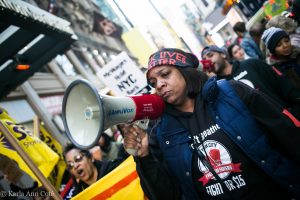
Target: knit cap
x=272 y=36
x=211 y=48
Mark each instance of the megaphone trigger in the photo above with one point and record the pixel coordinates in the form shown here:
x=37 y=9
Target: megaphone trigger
x=143 y=124
x=131 y=151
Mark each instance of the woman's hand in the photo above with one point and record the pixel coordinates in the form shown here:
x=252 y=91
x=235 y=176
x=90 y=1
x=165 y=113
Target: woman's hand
x=136 y=141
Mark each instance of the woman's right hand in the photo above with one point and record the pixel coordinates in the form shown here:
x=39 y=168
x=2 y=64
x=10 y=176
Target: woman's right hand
x=136 y=140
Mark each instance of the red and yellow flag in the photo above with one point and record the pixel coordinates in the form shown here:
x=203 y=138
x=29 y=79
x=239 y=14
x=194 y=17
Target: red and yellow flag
x=122 y=183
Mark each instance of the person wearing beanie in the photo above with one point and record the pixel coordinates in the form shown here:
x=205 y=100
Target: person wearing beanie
x=272 y=36
x=287 y=24
x=214 y=48
x=285 y=57
x=258 y=75
x=214 y=138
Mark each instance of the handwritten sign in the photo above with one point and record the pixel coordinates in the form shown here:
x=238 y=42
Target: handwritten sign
x=122 y=76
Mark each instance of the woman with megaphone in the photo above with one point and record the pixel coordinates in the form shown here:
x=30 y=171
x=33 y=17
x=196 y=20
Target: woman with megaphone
x=215 y=140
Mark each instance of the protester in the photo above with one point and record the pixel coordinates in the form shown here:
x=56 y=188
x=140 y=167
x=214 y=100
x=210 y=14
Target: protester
x=215 y=140
x=15 y=184
x=84 y=169
x=249 y=45
x=284 y=57
x=240 y=30
x=256 y=74
x=288 y=25
x=255 y=32
x=236 y=52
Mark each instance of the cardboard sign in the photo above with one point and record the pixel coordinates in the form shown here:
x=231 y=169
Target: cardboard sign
x=122 y=76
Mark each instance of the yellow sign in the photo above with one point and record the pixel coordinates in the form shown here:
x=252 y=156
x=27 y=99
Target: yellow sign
x=59 y=169
x=44 y=158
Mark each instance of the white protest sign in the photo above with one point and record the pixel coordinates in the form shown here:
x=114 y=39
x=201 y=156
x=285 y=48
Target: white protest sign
x=122 y=76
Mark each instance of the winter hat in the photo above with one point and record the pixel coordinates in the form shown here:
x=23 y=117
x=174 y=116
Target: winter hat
x=272 y=36
x=211 y=48
x=172 y=57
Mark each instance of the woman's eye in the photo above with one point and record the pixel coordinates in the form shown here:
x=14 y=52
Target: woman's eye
x=152 y=84
x=165 y=74
x=278 y=44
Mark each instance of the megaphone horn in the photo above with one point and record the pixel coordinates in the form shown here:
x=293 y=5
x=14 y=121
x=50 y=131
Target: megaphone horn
x=86 y=113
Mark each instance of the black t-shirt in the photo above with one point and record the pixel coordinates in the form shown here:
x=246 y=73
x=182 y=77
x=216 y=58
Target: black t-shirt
x=259 y=75
x=240 y=177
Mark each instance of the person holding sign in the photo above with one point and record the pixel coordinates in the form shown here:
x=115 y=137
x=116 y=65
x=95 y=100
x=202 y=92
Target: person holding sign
x=215 y=140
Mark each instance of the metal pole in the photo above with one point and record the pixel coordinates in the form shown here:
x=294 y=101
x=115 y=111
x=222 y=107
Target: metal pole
x=12 y=140
x=76 y=63
x=36 y=126
x=58 y=72
x=121 y=11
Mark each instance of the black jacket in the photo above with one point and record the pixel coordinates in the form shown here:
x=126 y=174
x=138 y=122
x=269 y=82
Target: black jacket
x=259 y=75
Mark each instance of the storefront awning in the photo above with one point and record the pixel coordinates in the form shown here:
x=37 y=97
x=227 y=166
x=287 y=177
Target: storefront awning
x=29 y=36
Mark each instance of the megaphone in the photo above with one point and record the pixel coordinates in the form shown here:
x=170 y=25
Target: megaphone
x=86 y=113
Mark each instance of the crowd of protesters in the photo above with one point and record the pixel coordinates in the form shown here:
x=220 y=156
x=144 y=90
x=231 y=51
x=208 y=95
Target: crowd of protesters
x=230 y=133
x=265 y=58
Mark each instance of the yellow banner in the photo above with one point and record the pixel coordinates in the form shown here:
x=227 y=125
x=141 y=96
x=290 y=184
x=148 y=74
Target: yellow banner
x=59 y=169
x=44 y=158
x=122 y=183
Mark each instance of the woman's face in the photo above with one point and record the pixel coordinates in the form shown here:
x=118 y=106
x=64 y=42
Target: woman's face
x=238 y=53
x=169 y=84
x=80 y=166
x=283 y=47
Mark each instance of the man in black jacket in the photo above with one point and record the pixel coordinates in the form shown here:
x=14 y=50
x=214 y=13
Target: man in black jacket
x=256 y=74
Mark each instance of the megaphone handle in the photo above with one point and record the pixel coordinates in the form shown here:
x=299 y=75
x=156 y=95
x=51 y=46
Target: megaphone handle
x=131 y=151
x=143 y=124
